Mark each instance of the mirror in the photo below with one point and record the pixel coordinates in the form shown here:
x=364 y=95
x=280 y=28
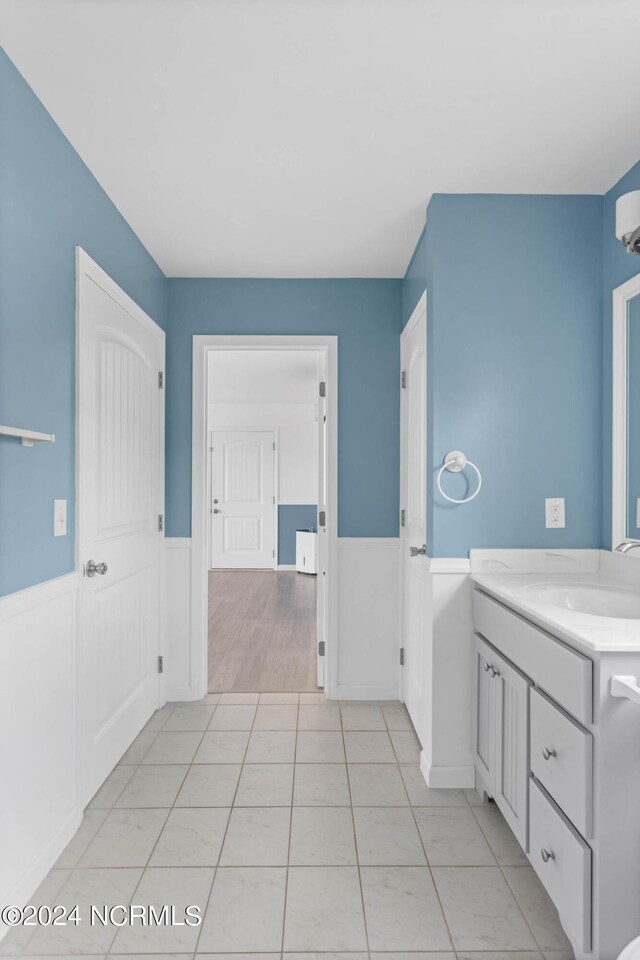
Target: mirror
x=632 y=519
x=626 y=412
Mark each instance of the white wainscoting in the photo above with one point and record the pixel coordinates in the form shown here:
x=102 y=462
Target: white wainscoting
x=39 y=810
x=447 y=755
x=369 y=618
x=177 y=620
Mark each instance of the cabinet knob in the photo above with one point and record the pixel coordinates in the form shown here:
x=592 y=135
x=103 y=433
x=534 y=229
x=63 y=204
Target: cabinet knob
x=547 y=855
x=548 y=752
x=487 y=667
x=494 y=672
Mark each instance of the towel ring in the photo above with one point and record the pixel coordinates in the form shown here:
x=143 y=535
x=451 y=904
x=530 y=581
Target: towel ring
x=455 y=462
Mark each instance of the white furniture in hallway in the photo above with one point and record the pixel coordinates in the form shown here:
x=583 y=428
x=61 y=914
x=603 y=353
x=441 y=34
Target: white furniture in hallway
x=306 y=551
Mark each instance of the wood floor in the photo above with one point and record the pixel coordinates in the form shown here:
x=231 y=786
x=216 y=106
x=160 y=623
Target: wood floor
x=262 y=631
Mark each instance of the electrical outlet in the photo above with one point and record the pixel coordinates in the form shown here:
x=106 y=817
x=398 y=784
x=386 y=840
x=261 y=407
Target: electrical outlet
x=59 y=518
x=554 y=511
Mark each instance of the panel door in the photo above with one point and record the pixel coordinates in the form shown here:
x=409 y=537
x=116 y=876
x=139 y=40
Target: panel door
x=485 y=730
x=414 y=531
x=512 y=756
x=120 y=499
x=242 y=499
x=321 y=545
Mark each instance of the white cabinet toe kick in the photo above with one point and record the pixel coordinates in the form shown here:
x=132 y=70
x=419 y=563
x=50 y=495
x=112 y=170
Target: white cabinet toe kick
x=560 y=755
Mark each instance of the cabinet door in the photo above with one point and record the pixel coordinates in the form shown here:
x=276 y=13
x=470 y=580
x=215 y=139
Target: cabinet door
x=485 y=731
x=512 y=747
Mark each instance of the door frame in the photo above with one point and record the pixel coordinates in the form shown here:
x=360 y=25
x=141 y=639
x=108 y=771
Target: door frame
x=418 y=315
x=276 y=478
x=202 y=345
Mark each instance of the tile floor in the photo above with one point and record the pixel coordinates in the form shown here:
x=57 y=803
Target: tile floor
x=304 y=830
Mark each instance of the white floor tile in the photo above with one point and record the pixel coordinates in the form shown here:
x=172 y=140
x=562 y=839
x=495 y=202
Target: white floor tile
x=271 y=746
x=368 y=746
x=539 y=911
x=397 y=718
x=16 y=940
x=91 y=822
x=506 y=848
x=320 y=785
x=222 y=746
x=320 y=746
x=276 y=717
x=239 y=698
x=173 y=747
x=313 y=698
x=112 y=787
x=364 y=717
x=153 y=786
x=191 y=837
x=322 y=836
x=376 y=785
x=209 y=785
x=265 y=785
x=279 y=698
x=319 y=716
x=402 y=910
x=387 y=836
x=420 y=795
x=257 y=836
x=246 y=910
x=452 y=837
x=177 y=886
x=158 y=719
x=406 y=745
x=324 y=910
x=481 y=910
x=138 y=748
x=125 y=839
x=193 y=717
x=233 y=717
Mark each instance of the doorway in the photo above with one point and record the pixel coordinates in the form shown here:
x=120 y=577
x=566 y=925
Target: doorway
x=263 y=525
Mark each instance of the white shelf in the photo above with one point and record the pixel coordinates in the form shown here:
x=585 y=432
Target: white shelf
x=27 y=437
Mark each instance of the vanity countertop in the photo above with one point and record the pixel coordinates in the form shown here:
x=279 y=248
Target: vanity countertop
x=585 y=632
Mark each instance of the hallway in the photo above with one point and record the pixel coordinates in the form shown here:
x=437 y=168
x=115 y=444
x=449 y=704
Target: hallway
x=262 y=631
x=297 y=825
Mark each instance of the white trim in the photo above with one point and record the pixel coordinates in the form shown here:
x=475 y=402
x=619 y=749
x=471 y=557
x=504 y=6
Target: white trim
x=459 y=565
x=414 y=319
x=440 y=777
x=201 y=346
x=286 y=566
x=621 y=296
x=346 y=691
x=177 y=543
x=15 y=604
x=275 y=431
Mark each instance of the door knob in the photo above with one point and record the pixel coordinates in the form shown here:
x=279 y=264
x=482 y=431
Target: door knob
x=418 y=551
x=92 y=568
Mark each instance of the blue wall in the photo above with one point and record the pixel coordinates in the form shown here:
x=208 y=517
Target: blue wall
x=619 y=266
x=49 y=202
x=292 y=517
x=515 y=378
x=366 y=316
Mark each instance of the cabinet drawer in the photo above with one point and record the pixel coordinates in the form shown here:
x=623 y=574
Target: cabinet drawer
x=564 y=674
x=566 y=873
x=562 y=760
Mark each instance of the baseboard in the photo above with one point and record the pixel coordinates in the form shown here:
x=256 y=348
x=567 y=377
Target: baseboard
x=446 y=777
x=351 y=692
x=459 y=565
x=23 y=890
x=177 y=543
x=286 y=566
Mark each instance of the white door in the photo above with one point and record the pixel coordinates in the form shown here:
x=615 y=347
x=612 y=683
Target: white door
x=120 y=500
x=413 y=528
x=242 y=499
x=512 y=748
x=322 y=528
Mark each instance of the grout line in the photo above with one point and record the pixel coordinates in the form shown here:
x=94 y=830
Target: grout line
x=355 y=843
x=286 y=876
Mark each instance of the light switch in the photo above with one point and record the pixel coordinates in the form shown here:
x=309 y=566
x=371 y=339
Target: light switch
x=59 y=518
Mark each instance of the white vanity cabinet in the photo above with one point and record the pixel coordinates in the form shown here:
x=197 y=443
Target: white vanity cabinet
x=561 y=758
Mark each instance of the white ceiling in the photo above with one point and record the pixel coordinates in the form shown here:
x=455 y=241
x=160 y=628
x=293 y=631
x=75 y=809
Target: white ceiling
x=303 y=138
x=263 y=376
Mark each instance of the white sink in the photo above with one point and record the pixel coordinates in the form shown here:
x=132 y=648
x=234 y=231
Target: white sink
x=594 y=599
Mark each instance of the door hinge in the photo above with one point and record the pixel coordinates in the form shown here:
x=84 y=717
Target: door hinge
x=273 y=553
x=403 y=380
x=402 y=656
x=160 y=523
x=273 y=445
x=322 y=519
x=403 y=518
x=322 y=388
x=160 y=664
x=160 y=380
x=321 y=648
